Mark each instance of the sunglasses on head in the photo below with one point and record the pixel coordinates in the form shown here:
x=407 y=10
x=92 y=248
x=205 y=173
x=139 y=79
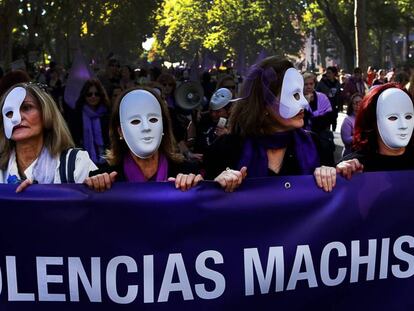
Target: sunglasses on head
x=90 y=94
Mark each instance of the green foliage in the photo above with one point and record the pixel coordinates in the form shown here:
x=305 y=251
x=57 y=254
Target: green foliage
x=180 y=28
x=59 y=27
x=229 y=28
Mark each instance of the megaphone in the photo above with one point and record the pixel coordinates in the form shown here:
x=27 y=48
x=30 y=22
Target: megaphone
x=189 y=95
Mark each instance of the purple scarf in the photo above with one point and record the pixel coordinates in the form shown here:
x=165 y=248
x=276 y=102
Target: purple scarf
x=134 y=174
x=92 y=132
x=254 y=154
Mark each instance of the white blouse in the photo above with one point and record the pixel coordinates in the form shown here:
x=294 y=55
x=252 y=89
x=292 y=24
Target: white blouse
x=83 y=165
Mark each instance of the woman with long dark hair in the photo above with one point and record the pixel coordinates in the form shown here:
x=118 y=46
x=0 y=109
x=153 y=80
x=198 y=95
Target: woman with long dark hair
x=266 y=134
x=89 y=121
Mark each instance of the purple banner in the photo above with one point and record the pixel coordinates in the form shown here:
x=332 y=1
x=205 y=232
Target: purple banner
x=275 y=243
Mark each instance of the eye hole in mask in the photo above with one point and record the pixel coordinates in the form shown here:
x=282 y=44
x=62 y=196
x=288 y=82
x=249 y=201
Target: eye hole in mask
x=153 y=120
x=9 y=114
x=135 y=122
x=296 y=96
x=408 y=117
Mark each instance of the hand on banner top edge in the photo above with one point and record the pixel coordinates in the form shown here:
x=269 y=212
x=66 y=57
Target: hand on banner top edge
x=349 y=167
x=186 y=181
x=101 y=182
x=24 y=184
x=325 y=177
x=230 y=179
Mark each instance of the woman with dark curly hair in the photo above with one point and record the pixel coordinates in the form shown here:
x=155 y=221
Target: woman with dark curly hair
x=383 y=133
x=89 y=121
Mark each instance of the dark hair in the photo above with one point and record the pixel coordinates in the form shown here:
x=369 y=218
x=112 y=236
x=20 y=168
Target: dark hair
x=366 y=131
x=402 y=78
x=357 y=70
x=223 y=79
x=131 y=72
x=113 y=61
x=350 y=108
x=167 y=78
x=104 y=100
x=333 y=69
x=119 y=148
x=12 y=78
x=251 y=116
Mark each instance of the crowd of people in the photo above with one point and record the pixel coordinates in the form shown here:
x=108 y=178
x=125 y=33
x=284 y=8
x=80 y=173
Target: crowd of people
x=129 y=126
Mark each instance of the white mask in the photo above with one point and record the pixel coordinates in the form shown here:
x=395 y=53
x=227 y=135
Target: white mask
x=292 y=100
x=220 y=98
x=395 y=118
x=11 y=110
x=141 y=122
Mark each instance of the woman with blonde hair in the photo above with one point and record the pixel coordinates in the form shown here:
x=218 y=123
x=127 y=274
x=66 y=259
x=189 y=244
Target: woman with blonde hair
x=34 y=141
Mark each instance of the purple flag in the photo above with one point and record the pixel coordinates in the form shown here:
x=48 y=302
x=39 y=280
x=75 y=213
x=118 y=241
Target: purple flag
x=78 y=75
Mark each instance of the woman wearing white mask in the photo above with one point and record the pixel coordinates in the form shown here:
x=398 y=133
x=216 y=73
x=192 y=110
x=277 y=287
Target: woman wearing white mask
x=266 y=134
x=383 y=133
x=34 y=141
x=142 y=144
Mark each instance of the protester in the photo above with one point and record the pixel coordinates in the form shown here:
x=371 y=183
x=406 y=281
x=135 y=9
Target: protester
x=169 y=83
x=355 y=84
x=34 y=141
x=330 y=86
x=383 y=133
x=318 y=117
x=266 y=134
x=89 y=121
x=127 y=77
x=402 y=78
x=181 y=118
x=370 y=75
x=214 y=123
x=381 y=79
x=142 y=146
x=347 y=129
x=208 y=85
x=116 y=91
x=111 y=75
x=227 y=81
x=55 y=87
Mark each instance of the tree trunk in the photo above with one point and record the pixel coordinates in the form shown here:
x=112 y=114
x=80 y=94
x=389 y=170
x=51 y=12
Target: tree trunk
x=322 y=43
x=8 y=13
x=343 y=36
x=407 y=40
x=380 y=49
x=361 y=34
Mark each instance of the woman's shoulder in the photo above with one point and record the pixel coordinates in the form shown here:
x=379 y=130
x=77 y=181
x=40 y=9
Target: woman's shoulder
x=76 y=162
